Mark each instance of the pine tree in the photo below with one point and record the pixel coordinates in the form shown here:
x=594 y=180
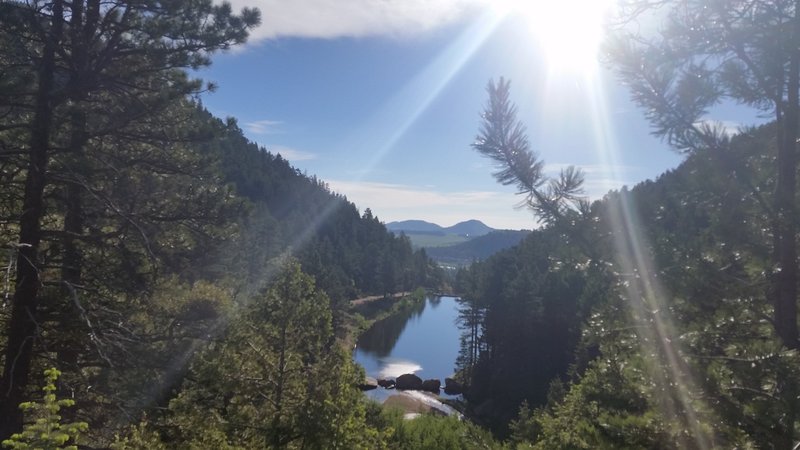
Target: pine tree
x=47 y=431
x=504 y=139
x=102 y=77
x=278 y=378
x=705 y=52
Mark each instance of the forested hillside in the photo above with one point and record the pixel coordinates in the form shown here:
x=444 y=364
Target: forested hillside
x=350 y=254
x=564 y=331
x=478 y=248
x=153 y=252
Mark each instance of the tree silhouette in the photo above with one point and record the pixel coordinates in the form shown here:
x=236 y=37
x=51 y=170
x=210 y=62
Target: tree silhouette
x=503 y=139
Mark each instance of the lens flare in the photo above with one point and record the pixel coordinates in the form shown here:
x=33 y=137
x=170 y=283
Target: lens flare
x=569 y=31
x=647 y=298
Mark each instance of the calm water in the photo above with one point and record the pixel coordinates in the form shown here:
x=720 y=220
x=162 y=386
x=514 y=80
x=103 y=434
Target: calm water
x=423 y=341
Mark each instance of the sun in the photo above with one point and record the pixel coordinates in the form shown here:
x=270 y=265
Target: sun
x=569 y=31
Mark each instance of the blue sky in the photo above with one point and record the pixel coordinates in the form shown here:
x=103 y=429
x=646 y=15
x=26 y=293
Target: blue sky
x=381 y=99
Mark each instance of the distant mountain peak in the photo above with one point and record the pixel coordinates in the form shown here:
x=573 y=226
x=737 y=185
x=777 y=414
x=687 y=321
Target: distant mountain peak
x=419 y=226
x=471 y=227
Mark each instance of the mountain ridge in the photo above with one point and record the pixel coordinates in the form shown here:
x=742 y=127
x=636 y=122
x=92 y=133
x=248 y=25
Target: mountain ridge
x=477 y=249
x=467 y=228
x=415 y=226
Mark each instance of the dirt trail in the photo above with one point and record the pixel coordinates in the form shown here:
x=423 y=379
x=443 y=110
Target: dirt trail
x=372 y=298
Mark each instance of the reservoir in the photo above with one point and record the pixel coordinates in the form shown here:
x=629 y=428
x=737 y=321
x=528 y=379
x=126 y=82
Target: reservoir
x=423 y=340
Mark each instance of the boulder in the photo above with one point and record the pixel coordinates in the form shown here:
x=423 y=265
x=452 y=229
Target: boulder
x=386 y=383
x=409 y=382
x=368 y=384
x=452 y=387
x=431 y=386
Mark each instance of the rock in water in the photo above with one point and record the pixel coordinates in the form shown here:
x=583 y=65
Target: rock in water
x=452 y=387
x=409 y=382
x=431 y=386
x=386 y=383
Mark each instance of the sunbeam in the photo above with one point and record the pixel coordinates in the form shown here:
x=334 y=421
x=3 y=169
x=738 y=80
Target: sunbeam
x=403 y=110
x=643 y=293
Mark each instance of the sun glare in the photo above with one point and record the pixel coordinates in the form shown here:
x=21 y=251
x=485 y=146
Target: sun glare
x=569 y=31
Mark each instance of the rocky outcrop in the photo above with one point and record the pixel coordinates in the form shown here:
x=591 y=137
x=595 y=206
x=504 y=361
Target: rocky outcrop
x=431 y=386
x=386 y=383
x=368 y=384
x=452 y=387
x=409 y=382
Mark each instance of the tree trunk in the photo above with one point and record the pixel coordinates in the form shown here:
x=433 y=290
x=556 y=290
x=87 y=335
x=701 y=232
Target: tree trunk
x=278 y=437
x=22 y=326
x=785 y=240
x=68 y=313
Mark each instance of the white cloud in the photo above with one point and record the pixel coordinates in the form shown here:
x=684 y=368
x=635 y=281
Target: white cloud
x=291 y=154
x=392 y=202
x=400 y=196
x=265 y=126
x=597 y=188
x=354 y=18
x=727 y=127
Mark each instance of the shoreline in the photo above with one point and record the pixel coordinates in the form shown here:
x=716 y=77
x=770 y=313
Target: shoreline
x=370 y=310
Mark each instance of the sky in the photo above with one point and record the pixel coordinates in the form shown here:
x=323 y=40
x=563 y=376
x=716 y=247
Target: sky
x=381 y=99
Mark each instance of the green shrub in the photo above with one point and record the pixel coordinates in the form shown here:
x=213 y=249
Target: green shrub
x=47 y=431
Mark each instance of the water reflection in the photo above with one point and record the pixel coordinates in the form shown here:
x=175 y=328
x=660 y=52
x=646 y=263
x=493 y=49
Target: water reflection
x=381 y=338
x=393 y=368
x=422 y=340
